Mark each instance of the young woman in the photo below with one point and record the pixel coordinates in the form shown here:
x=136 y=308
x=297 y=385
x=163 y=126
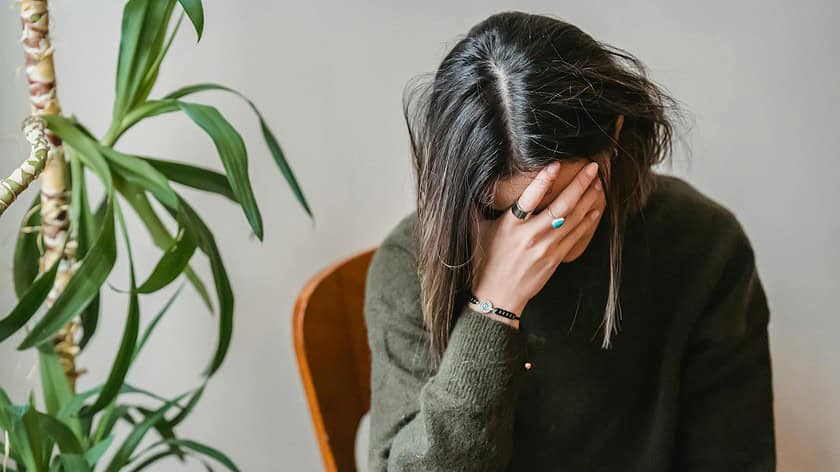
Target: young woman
x=554 y=304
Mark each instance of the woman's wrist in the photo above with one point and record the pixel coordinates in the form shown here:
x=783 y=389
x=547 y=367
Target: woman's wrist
x=501 y=319
x=497 y=300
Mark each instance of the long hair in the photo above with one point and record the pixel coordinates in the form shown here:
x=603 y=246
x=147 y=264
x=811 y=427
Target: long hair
x=518 y=92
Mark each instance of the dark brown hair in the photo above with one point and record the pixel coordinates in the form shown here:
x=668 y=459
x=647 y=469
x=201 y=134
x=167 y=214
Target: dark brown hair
x=518 y=92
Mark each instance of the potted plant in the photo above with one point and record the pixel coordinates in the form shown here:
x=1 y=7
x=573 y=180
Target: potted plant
x=68 y=245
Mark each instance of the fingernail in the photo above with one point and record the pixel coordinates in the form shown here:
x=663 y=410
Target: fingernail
x=592 y=168
x=598 y=185
x=594 y=214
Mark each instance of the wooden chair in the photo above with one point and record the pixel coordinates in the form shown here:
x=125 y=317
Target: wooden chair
x=333 y=356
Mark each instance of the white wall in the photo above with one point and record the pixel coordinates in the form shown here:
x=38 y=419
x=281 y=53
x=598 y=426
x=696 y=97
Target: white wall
x=759 y=77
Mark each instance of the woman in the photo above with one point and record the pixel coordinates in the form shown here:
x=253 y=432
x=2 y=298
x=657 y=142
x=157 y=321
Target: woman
x=554 y=304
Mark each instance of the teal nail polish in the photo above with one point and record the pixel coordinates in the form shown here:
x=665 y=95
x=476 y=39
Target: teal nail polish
x=558 y=222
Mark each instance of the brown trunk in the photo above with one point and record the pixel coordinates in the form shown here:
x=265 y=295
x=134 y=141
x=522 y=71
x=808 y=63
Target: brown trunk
x=11 y=187
x=55 y=214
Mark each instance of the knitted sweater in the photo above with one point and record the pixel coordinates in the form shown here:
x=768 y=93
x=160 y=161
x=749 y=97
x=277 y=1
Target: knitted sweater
x=685 y=387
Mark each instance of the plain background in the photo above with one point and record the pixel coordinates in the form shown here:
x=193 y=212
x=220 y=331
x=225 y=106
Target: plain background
x=758 y=78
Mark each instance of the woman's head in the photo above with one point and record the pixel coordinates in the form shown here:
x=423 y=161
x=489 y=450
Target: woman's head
x=518 y=92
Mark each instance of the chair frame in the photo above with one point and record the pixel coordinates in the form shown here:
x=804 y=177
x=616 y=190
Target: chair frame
x=336 y=293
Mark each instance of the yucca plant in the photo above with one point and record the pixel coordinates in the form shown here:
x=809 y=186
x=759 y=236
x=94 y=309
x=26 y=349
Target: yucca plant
x=67 y=248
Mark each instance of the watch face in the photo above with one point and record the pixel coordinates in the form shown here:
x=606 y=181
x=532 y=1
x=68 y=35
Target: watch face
x=485 y=306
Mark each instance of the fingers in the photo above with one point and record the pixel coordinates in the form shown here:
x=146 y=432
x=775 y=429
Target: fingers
x=536 y=190
x=586 y=224
x=565 y=202
x=587 y=202
x=577 y=224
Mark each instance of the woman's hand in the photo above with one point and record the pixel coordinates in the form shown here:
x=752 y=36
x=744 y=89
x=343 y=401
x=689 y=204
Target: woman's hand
x=519 y=256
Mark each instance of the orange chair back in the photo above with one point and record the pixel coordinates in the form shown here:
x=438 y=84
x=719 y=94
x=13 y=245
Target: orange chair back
x=333 y=356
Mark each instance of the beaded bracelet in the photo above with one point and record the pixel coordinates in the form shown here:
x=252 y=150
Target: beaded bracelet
x=486 y=307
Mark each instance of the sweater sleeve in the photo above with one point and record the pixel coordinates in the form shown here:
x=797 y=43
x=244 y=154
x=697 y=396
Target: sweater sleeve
x=726 y=410
x=456 y=417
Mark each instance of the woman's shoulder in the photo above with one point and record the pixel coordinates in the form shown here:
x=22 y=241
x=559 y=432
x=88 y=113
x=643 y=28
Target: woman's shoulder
x=392 y=285
x=688 y=226
x=702 y=252
x=403 y=233
x=395 y=259
x=676 y=198
x=681 y=206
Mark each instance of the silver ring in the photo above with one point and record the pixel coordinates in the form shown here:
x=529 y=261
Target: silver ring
x=518 y=212
x=556 y=221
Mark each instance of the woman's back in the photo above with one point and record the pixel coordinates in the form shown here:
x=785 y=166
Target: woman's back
x=685 y=386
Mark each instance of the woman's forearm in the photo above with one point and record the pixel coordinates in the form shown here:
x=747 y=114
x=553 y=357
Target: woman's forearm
x=461 y=418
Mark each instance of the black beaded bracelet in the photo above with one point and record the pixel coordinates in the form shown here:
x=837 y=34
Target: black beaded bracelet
x=487 y=307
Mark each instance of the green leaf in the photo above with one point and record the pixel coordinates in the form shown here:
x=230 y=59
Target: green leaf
x=84 y=223
x=90 y=320
x=11 y=420
x=268 y=136
x=152 y=324
x=140 y=172
x=207 y=242
x=81 y=218
x=81 y=288
x=136 y=197
x=107 y=421
x=152 y=459
x=205 y=450
x=143 y=31
x=196 y=13
x=233 y=155
x=193 y=176
x=172 y=264
x=60 y=433
x=151 y=75
x=186 y=410
x=29 y=302
x=95 y=453
x=75 y=404
x=12 y=452
x=164 y=454
x=129 y=338
x=123 y=454
x=38 y=439
x=165 y=430
x=56 y=388
x=199 y=286
x=144 y=110
x=74 y=463
x=279 y=158
x=54 y=383
x=128 y=388
x=26 y=255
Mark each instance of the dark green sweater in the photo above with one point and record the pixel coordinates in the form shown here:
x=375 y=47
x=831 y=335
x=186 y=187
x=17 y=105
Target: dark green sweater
x=686 y=386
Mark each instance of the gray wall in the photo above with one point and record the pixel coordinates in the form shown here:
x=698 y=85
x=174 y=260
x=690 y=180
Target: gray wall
x=760 y=79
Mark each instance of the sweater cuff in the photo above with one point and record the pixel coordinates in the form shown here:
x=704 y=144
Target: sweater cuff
x=484 y=358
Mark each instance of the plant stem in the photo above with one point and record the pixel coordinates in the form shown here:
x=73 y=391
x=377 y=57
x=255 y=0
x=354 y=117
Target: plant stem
x=55 y=215
x=19 y=180
x=111 y=135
